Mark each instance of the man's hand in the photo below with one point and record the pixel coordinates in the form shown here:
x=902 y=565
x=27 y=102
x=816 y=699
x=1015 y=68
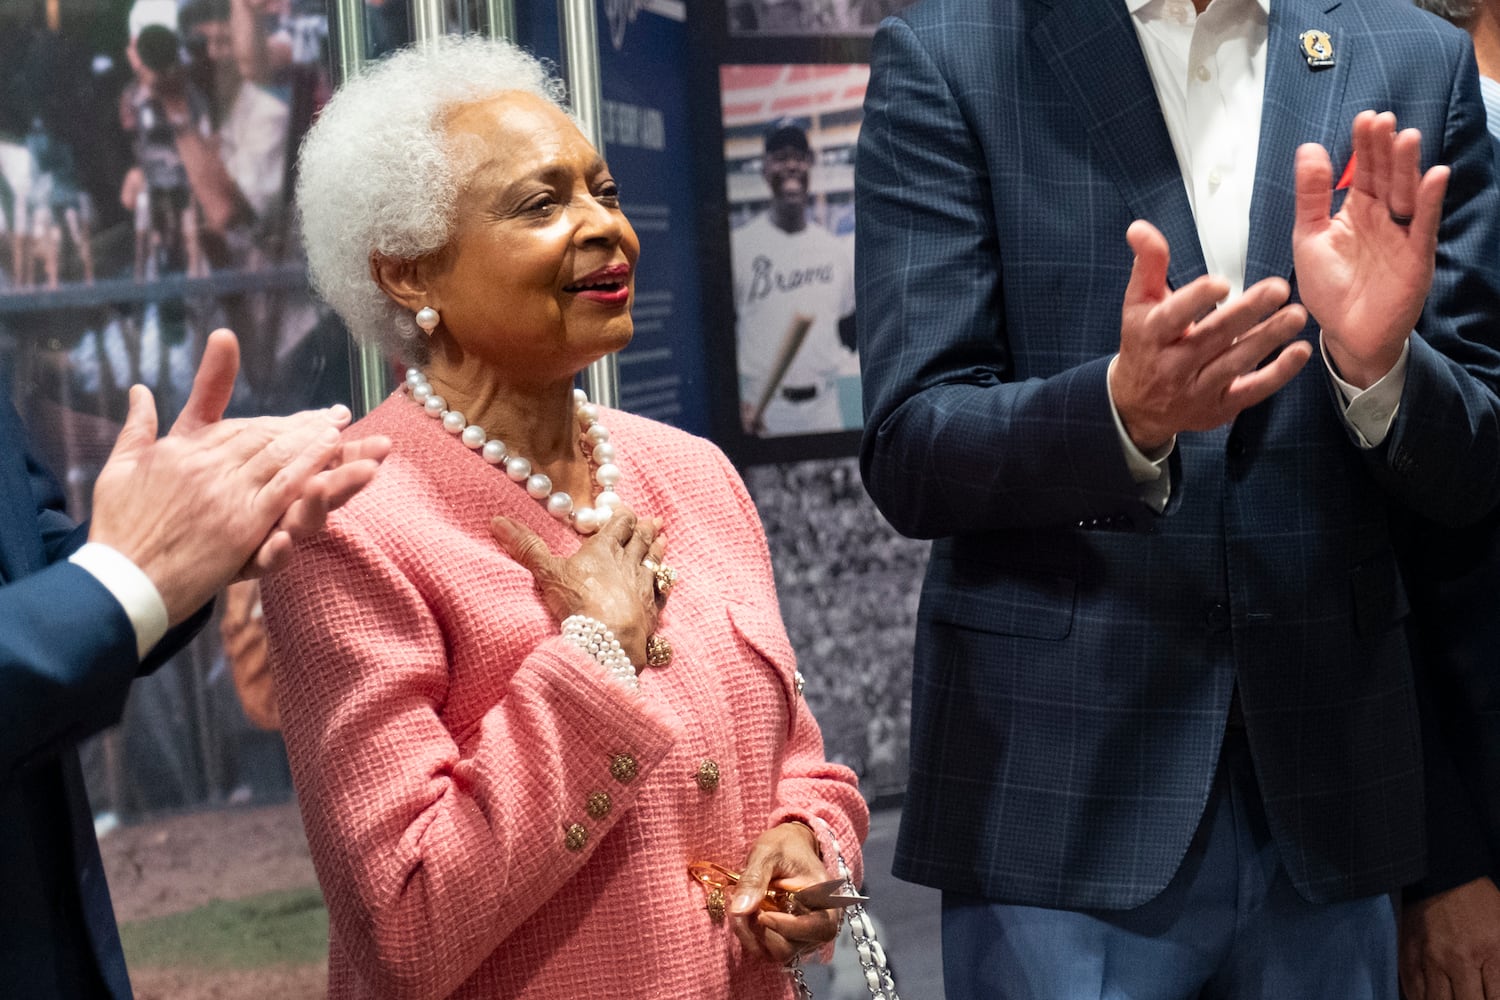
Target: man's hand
x=1450 y=944
x=1364 y=273
x=218 y=498
x=1189 y=364
x=350 y=470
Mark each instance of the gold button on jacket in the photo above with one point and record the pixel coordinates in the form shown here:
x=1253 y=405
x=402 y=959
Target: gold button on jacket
x=623 y=768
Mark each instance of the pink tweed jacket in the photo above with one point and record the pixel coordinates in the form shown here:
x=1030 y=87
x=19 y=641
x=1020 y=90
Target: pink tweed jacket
x=489 y=813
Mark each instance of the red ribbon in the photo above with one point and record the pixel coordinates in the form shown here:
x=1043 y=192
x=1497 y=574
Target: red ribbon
x=1348 y=176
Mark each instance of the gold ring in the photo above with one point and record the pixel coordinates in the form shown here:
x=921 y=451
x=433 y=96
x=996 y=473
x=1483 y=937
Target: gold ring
x=649 y=563
x=666 y=578
x=658 y=651
x=716 y=904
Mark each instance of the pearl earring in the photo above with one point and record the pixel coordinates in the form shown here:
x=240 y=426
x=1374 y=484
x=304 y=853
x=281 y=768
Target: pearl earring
x=427 y=319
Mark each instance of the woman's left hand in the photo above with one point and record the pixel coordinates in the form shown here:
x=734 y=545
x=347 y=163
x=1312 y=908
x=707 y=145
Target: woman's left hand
x=784 y=857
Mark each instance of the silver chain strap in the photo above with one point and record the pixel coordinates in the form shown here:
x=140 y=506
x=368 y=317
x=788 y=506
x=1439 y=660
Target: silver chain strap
x=871 y=956
x=878 y=978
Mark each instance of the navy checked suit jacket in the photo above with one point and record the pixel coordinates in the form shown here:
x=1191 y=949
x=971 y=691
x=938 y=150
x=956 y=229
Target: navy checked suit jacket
x=1454 y=581
x=67 y=657
x=1076 y=652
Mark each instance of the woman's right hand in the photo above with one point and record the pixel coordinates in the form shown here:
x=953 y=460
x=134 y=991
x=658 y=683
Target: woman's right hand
x=606 y=579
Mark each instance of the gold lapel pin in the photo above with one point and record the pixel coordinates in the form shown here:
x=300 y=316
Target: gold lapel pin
x=1317 y=48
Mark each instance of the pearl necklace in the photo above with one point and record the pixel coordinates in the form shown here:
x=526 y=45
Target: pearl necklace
x=595 y=437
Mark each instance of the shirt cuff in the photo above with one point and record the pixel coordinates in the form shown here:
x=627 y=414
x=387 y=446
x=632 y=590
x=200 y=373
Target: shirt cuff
x=1370 y=412
x=129 y=585
x=1151 y=474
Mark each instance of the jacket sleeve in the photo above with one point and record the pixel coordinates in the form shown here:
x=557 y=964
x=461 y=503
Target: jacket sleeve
x=433 y=849
x=67 y=657
x=1453 y=576
x=952 y=442
x=67 y=648
x=1442 y=457
x=1458 y=850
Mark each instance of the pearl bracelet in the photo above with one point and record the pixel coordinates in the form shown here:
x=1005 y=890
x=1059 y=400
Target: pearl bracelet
x=595 y=638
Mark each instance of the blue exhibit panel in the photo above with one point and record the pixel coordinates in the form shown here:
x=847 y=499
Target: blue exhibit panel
x=647 y=140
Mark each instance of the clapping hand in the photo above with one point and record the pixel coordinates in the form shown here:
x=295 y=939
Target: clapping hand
x=215 y=500
x=1364 y=273
x=1190 y=361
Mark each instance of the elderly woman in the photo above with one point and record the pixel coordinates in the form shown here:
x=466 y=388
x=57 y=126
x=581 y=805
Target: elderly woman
x=508 y=753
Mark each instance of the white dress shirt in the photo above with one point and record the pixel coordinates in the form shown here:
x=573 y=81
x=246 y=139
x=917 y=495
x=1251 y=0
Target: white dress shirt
x=129 y=585
x=1209 y=72
x=1489 y=90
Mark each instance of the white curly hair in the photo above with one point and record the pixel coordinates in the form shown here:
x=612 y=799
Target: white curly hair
x=377 y=174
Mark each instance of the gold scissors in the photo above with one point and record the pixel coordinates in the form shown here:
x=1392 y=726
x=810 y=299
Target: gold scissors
x=833 y=894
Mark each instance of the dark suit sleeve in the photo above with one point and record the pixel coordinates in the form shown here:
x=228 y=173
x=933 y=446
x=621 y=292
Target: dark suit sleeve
x=1457 y=849
x=1453 y=576
x=1442 y=457
x=67 y=648
x=1460 y=741
x=951 y=439
x=61 y=535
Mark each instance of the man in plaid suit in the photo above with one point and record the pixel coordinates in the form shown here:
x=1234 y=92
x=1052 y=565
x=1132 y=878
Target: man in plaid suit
x=1164 y=737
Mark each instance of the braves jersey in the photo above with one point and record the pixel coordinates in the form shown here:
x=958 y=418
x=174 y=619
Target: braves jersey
x=779 y=276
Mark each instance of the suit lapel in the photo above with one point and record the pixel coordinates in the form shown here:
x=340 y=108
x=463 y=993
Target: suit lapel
x=1301 y=104
x=1092 y=49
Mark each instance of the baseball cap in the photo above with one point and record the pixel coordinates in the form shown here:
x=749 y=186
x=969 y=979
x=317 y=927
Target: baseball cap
x=787 y=133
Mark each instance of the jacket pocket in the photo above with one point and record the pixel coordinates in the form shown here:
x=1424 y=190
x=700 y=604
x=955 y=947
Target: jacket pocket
x=1030 y=607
